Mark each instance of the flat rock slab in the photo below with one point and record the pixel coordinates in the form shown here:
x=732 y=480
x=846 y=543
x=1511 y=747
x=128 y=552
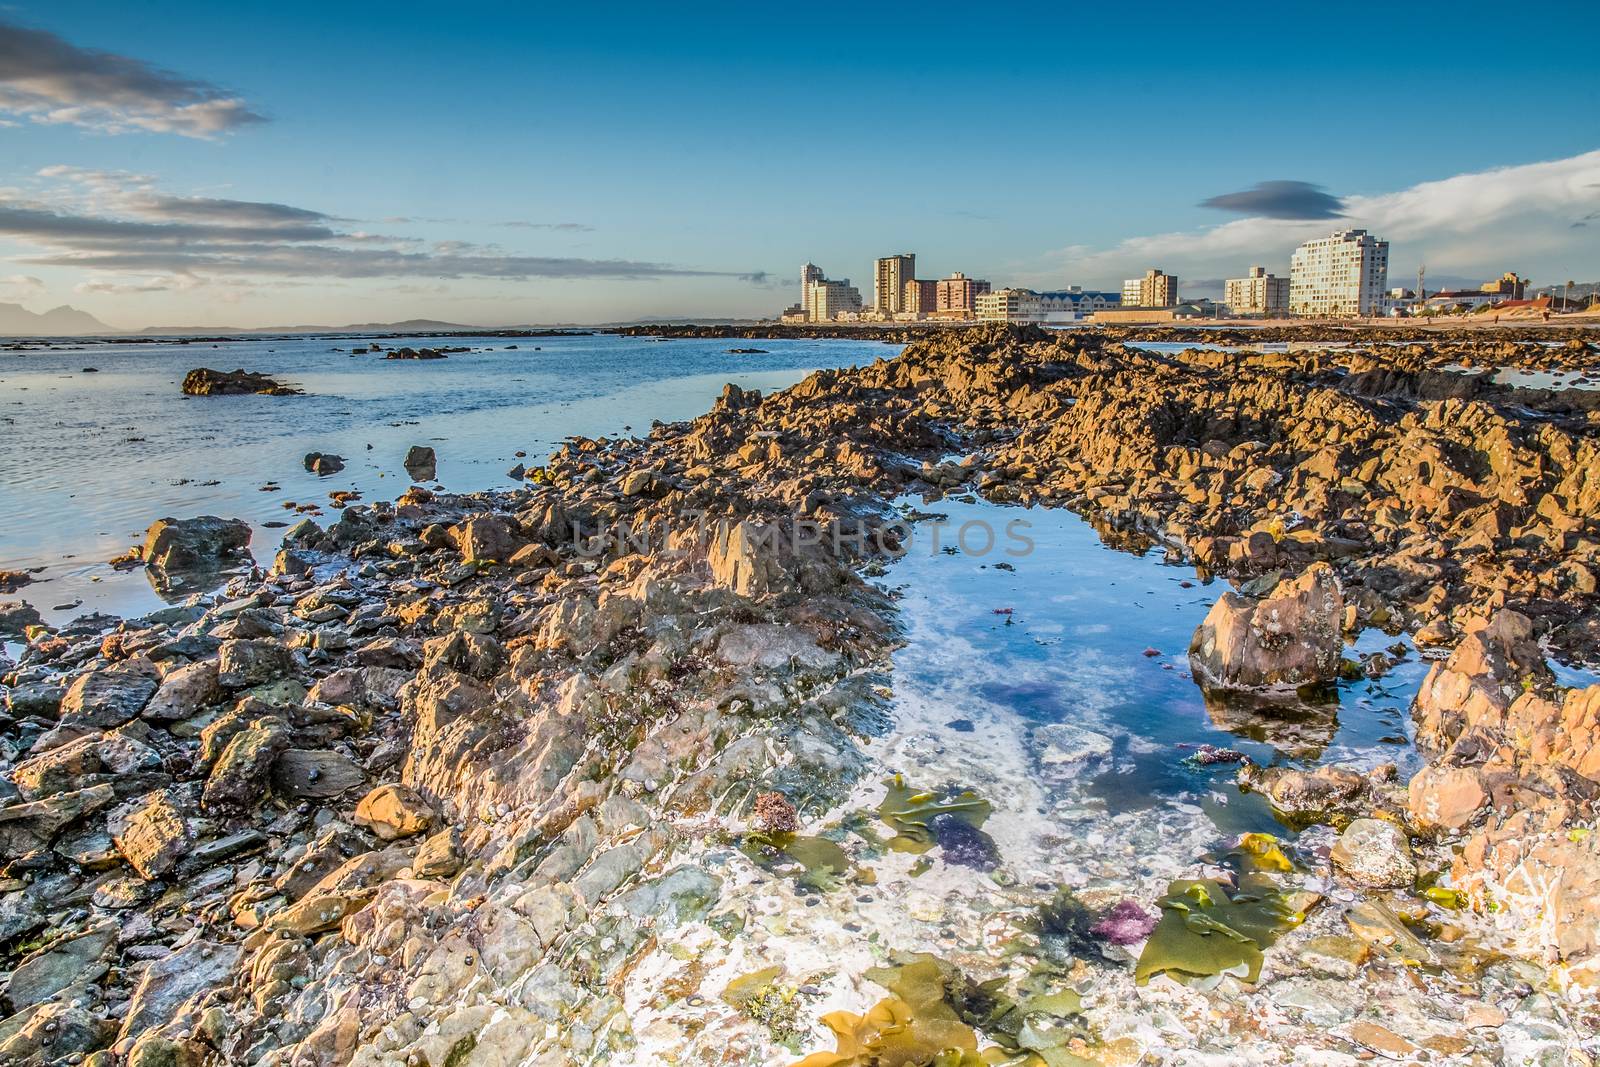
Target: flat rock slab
x=302 y=772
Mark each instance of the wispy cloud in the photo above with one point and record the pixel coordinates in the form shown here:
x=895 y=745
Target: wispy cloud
x=1280 y=200
x=48 y=79
x=569 y=227
x=1473 y=224
x=21 y=286
x=151 y=240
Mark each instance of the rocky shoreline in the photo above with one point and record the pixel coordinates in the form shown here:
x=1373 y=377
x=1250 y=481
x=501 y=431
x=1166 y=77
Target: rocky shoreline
x=450 y=783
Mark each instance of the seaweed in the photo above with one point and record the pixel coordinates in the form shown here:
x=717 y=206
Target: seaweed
x=760 y=997
x=810 y=862
x=952 y=818
x=932 y=1016
x=1206 y=930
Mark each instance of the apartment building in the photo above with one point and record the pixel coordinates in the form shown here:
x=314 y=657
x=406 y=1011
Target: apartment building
x=956 y=297
x=1343 y=274
x=1010 y=305
x=1259 y=293
x=891 y=274
x=1155 y=290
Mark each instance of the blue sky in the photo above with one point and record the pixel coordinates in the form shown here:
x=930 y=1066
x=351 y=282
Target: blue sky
x=654 y=158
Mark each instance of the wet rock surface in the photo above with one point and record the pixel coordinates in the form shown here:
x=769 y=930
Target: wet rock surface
x=203 y=381
x=598 y=770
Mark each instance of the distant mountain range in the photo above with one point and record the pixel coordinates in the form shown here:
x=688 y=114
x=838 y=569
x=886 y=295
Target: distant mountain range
x=64 y=321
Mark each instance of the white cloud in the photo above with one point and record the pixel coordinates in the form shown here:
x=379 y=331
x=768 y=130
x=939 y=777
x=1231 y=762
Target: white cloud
x=47 y=79
x=1525 y=218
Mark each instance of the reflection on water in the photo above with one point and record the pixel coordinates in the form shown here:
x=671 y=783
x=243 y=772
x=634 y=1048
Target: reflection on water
x=91 y=459
x=1072 y=669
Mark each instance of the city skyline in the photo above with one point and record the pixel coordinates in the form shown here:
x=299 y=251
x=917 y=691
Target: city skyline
x=210 y=168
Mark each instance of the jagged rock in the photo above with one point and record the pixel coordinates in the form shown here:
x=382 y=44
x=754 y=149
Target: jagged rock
x=1287 y=640
x=745 y=559
x=182 y=555
x=323 y=464
x=1374 y=854
x=239 y=779
x=243 y=663
x=109 y=697
x=184 y=692
x=72 y=960
x=394 y=811
x=119 y=758
x=1494 y=665
x=485 y=538
x=34 y=824
x=15 y=618
x=53 y=1033
x=154 y=835
x=203 y=381
x=170 y=981
x=1309 y=796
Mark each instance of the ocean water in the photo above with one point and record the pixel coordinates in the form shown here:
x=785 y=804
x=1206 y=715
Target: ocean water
x=89 y=459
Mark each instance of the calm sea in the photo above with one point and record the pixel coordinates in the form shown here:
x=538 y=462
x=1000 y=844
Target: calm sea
x=89 y=459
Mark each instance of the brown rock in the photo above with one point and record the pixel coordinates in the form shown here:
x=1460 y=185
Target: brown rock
x=1286 y=640
x=394 y=811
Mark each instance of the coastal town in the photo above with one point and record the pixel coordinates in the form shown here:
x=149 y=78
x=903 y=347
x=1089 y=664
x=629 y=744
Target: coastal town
x=1342 y=276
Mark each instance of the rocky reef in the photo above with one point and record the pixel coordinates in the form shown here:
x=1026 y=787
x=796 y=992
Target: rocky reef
x=585 y=771
x=203 y=381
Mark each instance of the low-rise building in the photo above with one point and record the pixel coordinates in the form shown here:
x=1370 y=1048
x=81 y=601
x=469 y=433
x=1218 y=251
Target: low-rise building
x=1010 y=305
x=1259 y=293
x=1156 y=289
x=1076 y=303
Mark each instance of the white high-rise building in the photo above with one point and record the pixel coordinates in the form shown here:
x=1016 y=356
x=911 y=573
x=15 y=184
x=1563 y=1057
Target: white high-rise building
x=1344 y=274
x=830 y=300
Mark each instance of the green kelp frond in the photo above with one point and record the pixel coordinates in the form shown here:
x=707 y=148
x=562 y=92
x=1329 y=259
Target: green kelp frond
x=1208 y=930
x=910 y=811
x=810 y=862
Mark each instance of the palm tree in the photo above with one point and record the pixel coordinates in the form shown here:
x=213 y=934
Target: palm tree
x=1566 y=304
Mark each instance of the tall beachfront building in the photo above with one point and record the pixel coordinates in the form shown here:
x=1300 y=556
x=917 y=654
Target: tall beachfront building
x=1155 y=290
x=1345 y=273
x=893 y=272
x=956 y=297
x=1259 y=294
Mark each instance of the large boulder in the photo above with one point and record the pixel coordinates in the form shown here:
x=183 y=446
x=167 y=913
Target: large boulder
x=203 y=381
x=187 y=555
x=421 y=463
x=1284 y=641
